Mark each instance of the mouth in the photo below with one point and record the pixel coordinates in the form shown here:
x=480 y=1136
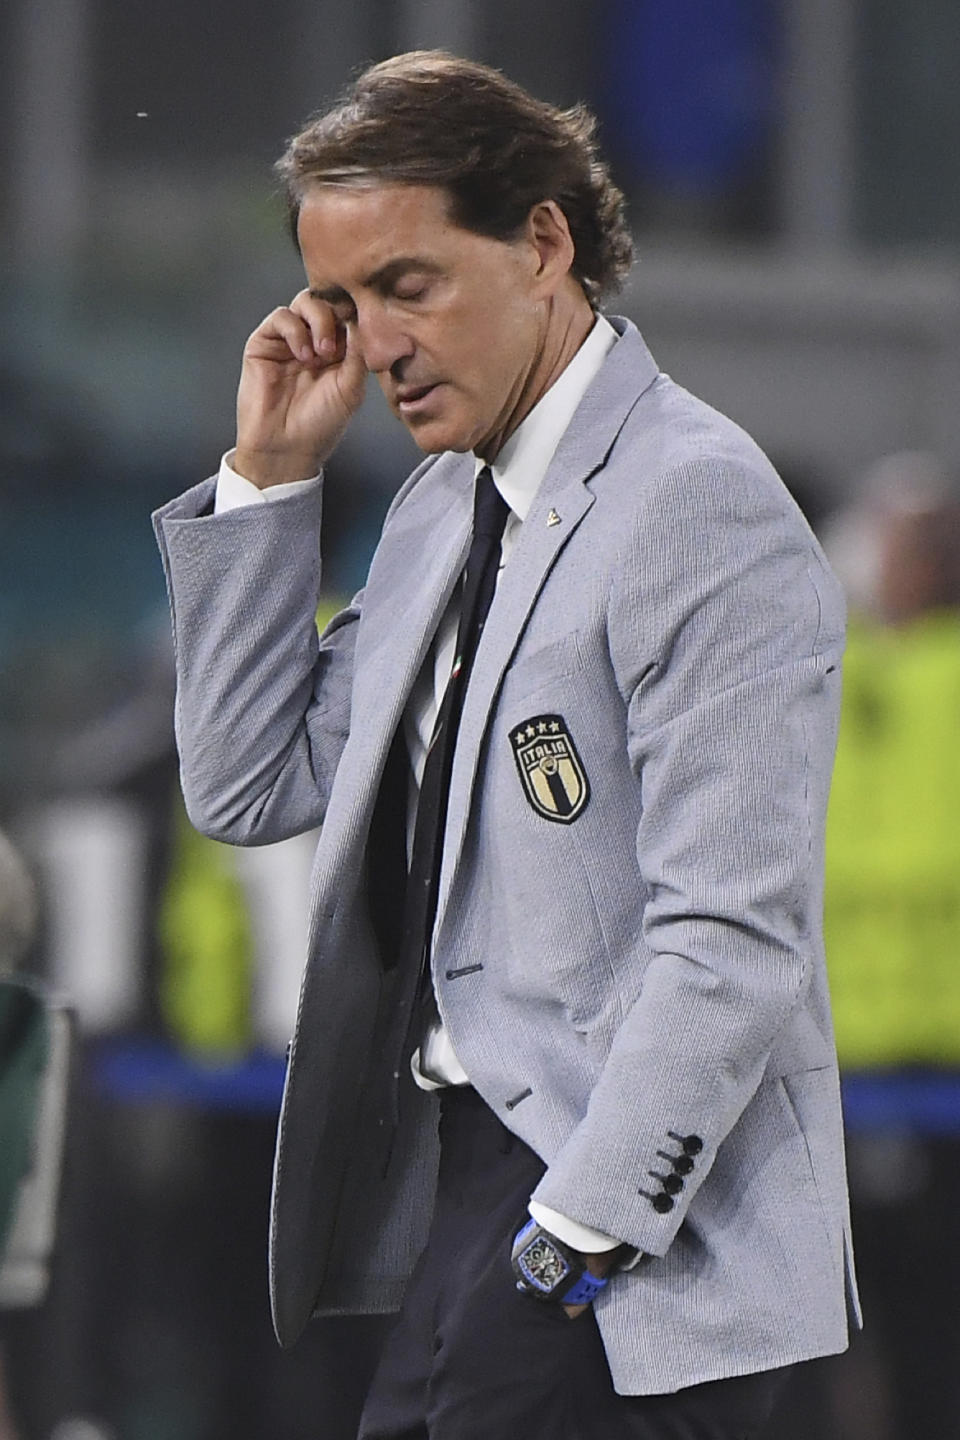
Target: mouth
x=412 y=398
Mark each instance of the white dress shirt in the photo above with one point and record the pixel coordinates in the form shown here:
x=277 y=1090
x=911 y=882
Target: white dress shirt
x=517 y=472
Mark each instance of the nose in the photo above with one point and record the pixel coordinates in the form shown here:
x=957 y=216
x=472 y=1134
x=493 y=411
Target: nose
x=382 y=341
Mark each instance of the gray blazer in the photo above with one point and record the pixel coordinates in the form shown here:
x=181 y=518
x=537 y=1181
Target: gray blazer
x=628 y=947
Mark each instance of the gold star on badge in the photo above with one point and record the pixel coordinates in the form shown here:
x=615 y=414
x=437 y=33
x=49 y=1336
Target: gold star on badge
x=542 y=727
x=530 y=732
x=519 y=737
x=554 y=727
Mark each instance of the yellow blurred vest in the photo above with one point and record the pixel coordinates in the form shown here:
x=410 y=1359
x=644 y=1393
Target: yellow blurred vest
x=892 y=908
x=206 y=940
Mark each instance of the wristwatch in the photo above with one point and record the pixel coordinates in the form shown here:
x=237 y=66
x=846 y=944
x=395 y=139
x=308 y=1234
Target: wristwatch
x=546 y=1267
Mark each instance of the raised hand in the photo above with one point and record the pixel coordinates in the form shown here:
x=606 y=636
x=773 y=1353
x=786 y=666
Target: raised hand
x=303 y=378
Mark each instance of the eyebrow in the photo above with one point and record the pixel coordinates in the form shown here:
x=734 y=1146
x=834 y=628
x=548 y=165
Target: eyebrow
x=380 y=279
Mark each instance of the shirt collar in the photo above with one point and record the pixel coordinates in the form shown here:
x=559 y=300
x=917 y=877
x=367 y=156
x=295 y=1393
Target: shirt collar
x=523 y=460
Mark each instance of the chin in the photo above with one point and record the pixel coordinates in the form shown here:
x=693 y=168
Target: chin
x=433 y=438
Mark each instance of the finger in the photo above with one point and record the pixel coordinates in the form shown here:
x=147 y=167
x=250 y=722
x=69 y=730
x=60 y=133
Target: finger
x=327 y=335
x=280 y=335
x=354 y=365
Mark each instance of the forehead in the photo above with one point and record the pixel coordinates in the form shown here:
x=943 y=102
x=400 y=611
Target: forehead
x=362 y=227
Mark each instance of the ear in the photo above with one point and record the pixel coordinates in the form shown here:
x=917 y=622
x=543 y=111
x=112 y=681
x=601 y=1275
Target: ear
x=549 y=235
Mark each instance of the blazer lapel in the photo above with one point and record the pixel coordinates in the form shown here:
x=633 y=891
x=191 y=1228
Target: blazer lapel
x=520 y=584
x=562 y=501
x=409 y=591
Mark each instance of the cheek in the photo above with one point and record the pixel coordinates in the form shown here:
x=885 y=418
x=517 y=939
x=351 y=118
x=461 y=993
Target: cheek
x=488 y=350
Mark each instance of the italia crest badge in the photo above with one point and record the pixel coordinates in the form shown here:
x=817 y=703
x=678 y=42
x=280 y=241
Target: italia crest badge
x=551 y=771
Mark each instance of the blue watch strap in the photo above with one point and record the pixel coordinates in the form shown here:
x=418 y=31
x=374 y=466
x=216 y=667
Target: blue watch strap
x=586 y=1289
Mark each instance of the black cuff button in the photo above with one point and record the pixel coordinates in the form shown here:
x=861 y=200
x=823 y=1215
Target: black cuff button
x=663 y=1203
x=693 y=1144
x=682 y=1164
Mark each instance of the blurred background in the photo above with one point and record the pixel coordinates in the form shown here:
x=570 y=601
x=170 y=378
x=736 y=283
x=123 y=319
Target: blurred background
x=793 y=174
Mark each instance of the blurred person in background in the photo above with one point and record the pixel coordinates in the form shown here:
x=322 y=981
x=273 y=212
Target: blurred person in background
x=18 y=920
x=613 y=820
x=18 y=908
x=892 y=920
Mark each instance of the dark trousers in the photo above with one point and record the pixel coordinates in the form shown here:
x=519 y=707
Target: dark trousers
x=471 y=1358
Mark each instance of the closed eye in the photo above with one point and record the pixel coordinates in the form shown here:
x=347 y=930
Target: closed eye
x=410 y=290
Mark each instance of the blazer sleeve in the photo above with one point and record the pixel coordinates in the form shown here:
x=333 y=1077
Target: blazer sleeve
x=263 y=704
x=726 y=633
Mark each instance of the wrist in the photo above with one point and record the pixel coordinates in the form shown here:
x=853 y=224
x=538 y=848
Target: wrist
x=267 y=468
x=602 y=1263
x=622 y=1257
x=546 y=1267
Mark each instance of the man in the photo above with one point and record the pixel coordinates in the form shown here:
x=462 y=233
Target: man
x=611 y=762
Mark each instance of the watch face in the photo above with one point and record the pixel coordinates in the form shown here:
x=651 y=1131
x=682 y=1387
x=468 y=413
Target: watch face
x=543 y=1264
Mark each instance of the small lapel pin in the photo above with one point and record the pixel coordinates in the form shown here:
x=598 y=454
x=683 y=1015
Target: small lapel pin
x=553 y=518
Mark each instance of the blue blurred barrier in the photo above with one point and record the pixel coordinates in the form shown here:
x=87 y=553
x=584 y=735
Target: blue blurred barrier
x=133 y=1071
x=926 y=1102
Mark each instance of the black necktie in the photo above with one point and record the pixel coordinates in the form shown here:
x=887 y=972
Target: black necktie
x=490 y=512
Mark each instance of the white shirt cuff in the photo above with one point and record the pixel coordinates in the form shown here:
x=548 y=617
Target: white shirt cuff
x=571 y=1232
x=234 y=491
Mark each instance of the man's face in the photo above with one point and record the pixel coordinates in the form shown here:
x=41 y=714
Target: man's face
x=451 y=323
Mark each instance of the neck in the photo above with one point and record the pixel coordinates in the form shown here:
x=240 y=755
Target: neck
x=568 y=322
